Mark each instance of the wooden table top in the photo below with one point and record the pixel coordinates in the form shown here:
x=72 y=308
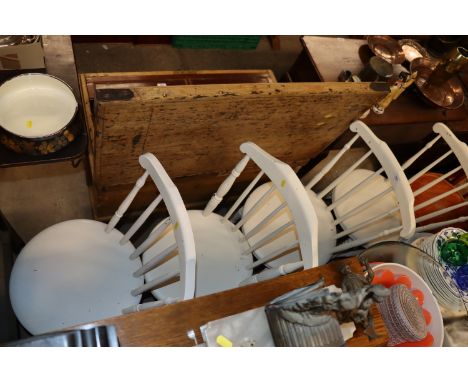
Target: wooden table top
x=168 y=325
x=331 y=55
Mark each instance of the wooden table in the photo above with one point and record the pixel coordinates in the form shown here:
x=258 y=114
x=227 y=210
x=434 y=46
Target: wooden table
x=406 y=124
x=59 y=62
x=168 y=325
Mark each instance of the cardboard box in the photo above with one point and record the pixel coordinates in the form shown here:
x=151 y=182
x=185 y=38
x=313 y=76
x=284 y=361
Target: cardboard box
x=25 y=56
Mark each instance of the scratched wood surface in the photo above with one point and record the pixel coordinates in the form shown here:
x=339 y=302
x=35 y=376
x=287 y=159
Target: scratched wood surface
x=197 y=129
x=168 y=325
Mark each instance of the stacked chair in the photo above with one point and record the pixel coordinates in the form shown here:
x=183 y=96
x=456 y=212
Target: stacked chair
x=80 y=271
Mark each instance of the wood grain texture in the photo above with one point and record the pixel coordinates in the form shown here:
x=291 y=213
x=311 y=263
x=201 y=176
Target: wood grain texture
x=198 y=129
x=170 y=78
x=168 y=325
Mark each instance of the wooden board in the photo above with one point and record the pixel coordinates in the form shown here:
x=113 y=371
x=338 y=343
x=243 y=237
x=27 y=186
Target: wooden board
x=168 y=325
x=197 y=130
x=170 y=78
x=105 y=199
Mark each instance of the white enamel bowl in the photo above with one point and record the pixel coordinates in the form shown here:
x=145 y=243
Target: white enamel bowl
x=36 y=106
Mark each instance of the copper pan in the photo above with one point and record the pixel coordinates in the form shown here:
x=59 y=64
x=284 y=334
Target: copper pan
x=448 y=95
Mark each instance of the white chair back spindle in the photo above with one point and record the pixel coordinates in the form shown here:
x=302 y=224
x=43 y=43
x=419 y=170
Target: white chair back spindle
x=81 y=270
x=460 y=151
x=331 y=216
x=224 y=256
x=285 y=182
x=184 y=246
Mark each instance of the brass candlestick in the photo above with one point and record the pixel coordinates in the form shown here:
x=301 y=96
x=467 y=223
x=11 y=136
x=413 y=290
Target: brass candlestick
x=403 y=82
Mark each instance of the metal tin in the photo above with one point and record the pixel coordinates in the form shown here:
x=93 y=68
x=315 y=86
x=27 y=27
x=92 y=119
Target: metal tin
x=376 y=70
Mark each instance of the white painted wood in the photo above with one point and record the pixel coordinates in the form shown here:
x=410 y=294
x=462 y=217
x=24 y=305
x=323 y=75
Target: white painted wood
x=268 y=274
x=72 y=273
x=79 y=271
x=446 y=223
x=244 y=194
x=354 y=223
x=149 y=305
x=268 y=238
x=365 y=204
x=158 y=281
x=141 y=219
x=395 y=174
x=355 y=188
x=276 y=206
x=413 y=159
x=274 y=255
x=246 y=216
x=333 y=184
x=356 y=243
x=441 y=212
x=220 y=263
x=439 y=197
x=151 y=239
x=459 y=148
x=365 y=223
x=439 y=179
x=430 y=166
x=156 y=260
x=225 y=186
x=182 y=228
x=126 y=202
x=332 y=163
x=249 y=233
x=295 y=195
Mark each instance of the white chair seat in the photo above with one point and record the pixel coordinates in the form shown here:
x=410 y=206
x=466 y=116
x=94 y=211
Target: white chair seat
x=326 y=228
x=386 y=203
x=72 y=273
x=220 y=263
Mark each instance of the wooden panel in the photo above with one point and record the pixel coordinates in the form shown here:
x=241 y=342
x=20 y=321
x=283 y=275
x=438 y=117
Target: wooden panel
x=198 y=129
x=168 y=325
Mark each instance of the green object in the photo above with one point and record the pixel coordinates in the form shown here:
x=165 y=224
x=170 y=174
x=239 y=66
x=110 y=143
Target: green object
x=454 y=252
x=464 y=238
x=215 y=42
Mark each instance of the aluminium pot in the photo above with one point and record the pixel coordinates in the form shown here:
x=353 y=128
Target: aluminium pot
x=36 y=114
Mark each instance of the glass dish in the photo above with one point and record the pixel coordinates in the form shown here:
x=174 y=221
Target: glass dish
x=452 y=301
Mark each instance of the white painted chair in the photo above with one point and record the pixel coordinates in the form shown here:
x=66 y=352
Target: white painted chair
x=460 y=151
x=224 y=256
x=365 y=205
x=80 y=271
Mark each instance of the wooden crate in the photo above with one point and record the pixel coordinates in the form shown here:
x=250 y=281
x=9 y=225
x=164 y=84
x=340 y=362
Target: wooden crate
x=195 y=130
